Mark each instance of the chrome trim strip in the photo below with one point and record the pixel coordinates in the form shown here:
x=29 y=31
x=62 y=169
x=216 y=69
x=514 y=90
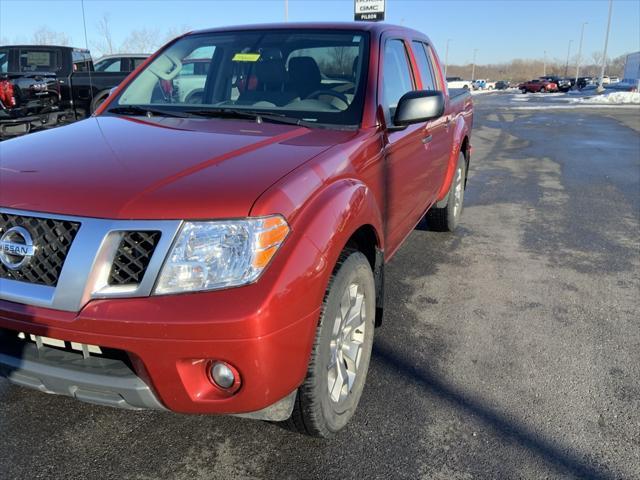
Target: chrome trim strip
x=85 y=272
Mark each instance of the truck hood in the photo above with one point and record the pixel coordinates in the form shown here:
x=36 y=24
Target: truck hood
x=165 y=168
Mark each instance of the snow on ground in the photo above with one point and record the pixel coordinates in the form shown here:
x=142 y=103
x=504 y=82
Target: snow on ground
x=479 y=92
x=575 y=105
x=613 y=98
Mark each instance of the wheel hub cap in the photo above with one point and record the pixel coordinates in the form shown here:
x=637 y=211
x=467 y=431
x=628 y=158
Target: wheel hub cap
x=347 y=337
x=458 y=192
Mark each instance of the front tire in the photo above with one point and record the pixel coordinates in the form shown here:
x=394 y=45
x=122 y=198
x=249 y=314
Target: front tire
x=446 y=219
x=335 y=379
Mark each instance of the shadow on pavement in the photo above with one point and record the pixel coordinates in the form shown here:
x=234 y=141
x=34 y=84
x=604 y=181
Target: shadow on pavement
x=508 y=429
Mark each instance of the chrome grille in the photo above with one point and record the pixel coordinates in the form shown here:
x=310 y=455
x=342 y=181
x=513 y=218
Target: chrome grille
x=52 y=239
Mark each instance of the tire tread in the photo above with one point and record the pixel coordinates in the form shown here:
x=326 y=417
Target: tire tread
x=306 y=415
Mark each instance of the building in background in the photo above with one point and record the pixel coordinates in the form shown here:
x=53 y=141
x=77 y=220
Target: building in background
x=632 y=68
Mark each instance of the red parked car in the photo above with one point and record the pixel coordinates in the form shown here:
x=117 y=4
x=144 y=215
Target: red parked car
x=226 y=254
x=538 y=86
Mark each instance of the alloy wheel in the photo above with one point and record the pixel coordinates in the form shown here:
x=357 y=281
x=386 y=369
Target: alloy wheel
x=347 y=338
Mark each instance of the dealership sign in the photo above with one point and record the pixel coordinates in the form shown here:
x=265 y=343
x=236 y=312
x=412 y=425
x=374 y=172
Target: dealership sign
x=369 y=10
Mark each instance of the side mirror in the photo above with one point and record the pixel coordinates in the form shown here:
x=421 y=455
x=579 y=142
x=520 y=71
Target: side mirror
x=419 y=106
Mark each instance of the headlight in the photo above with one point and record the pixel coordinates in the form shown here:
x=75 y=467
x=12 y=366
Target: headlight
x=220 y=254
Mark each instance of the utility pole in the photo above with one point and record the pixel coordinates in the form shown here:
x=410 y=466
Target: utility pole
x=473 y=66
x=286 y=10
x=566 y=66
x=544 y=65
x=446 y=57
x=580 y=52
x=604 y=54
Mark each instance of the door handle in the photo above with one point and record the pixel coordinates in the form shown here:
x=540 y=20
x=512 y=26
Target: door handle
x=427 y=139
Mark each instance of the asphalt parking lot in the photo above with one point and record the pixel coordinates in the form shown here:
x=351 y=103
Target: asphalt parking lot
x=510 y=349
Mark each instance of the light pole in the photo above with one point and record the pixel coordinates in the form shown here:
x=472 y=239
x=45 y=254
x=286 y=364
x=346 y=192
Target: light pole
x=473 y=66
x=604 y=54
x=544 y=65
x=580 y=52
x=566 y=66
x=446 y=57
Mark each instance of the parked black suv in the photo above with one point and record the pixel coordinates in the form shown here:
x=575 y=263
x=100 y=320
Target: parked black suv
x=45 y=86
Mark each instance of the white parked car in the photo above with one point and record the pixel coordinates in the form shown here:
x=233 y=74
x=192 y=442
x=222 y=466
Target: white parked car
x=457 y=82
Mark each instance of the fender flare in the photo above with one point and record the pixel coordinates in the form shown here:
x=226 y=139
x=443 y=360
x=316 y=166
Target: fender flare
x=460 y=133
x=328 y=219
x=333 y=215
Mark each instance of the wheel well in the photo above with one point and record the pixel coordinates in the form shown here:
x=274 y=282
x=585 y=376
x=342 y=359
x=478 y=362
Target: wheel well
x=365 y=240
x=99 y=96
x=464 y=148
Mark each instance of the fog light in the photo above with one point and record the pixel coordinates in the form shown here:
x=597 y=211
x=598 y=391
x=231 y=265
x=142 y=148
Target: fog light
x=222 y=375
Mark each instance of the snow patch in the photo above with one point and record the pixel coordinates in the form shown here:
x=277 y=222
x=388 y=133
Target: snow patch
x=480 y=92
x=574 y=105
x=613 y=98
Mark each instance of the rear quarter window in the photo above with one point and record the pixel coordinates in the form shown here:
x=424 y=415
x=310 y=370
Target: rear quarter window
x=39 y=60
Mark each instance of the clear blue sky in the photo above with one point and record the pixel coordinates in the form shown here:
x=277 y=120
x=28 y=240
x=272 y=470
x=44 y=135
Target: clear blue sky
x=501 y=30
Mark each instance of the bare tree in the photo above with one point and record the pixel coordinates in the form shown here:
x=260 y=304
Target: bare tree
x=341 y=60
x=103 y=29
x=174 y=32
x=141 y=41
x=46 y=36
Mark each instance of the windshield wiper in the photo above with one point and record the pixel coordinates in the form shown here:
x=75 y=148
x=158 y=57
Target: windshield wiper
x=145 y=111
x=259 y=117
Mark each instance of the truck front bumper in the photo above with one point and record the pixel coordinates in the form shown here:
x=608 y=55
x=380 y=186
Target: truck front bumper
x=160 y=350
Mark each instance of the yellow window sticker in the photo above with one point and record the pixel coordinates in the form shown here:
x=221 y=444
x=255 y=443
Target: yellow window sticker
x=246 y=57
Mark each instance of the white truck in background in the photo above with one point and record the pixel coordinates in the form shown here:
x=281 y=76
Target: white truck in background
x=458 y=82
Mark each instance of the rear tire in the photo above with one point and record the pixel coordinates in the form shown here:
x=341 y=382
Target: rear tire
x=446 y=219
x=335 y=379
x=523 y=90
x=99 y=100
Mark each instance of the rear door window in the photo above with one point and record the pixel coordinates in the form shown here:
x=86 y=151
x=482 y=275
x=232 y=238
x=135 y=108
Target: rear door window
x=137 y=62
x=425 y=67
x=110 y=65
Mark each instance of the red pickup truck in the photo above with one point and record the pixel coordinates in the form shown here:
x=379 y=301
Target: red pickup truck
x=215 y=241
x=538 y=85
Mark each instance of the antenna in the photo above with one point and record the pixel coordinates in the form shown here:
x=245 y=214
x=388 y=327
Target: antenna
x=86 y=43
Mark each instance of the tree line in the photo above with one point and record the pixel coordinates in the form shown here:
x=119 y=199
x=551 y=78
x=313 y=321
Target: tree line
x=521 y=69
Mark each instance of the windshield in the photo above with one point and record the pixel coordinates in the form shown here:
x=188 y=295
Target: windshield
x=315 y=76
